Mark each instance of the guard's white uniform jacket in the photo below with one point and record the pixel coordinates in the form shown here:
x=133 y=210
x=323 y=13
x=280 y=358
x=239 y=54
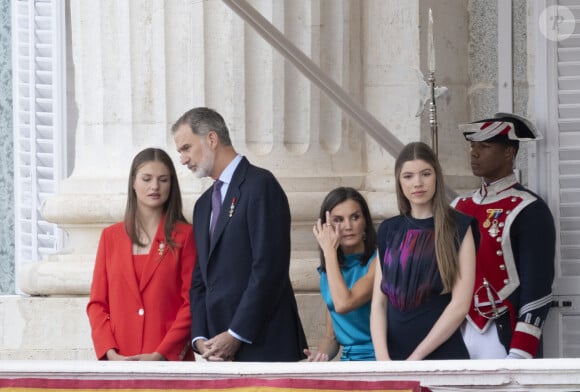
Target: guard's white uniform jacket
x=515 y=263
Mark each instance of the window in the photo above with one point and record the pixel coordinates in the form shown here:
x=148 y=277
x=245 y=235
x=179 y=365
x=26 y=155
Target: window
x=558 y=115
x=39 y=121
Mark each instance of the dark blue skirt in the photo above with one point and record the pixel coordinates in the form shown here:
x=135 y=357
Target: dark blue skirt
x=406 y=329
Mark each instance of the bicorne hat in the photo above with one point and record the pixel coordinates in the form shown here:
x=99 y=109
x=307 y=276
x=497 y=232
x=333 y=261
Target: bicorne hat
x=502 y=127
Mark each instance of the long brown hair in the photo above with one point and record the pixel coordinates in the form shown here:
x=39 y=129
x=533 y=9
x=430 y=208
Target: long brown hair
x=445 y=234
x=172 y=207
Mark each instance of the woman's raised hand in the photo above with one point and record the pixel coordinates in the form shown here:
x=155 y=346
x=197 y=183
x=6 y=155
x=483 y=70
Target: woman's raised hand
x=327 y=235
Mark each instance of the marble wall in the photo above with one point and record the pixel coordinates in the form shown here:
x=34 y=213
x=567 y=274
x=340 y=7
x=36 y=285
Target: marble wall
x=6 y=156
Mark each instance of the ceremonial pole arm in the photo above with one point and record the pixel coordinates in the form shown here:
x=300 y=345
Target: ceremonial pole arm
x=433 y=114
x=432 y=104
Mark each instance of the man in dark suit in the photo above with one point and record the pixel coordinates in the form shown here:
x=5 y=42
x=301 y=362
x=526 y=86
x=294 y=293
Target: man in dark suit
x=242 y=302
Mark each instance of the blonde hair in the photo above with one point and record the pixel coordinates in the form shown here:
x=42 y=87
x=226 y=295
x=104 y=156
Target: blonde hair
x=445 y=230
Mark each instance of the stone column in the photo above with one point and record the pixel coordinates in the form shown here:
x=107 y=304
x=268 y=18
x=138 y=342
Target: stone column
x=139 y=65
x=118 y=51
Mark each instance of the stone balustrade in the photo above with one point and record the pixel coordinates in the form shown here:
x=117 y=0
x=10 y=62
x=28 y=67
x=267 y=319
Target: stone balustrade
x=475 y=375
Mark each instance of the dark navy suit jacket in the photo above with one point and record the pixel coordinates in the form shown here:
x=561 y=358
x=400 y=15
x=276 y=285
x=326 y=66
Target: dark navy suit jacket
x=241 y=277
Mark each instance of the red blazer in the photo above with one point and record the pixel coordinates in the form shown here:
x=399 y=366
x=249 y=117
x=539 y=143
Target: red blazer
x=151 y=316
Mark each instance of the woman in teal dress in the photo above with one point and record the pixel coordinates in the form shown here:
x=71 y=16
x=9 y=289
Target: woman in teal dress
x=347 y=240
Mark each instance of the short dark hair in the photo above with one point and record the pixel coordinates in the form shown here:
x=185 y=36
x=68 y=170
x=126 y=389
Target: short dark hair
x=507 y=143
x=202 y=120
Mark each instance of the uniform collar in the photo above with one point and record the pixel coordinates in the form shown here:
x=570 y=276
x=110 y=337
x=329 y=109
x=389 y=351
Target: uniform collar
x=498 y=186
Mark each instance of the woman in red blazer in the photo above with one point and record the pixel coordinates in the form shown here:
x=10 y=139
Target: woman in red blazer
x=139 y=303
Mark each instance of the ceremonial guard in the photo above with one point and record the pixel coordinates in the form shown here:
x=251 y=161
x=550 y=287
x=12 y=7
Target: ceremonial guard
x=515 y=259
